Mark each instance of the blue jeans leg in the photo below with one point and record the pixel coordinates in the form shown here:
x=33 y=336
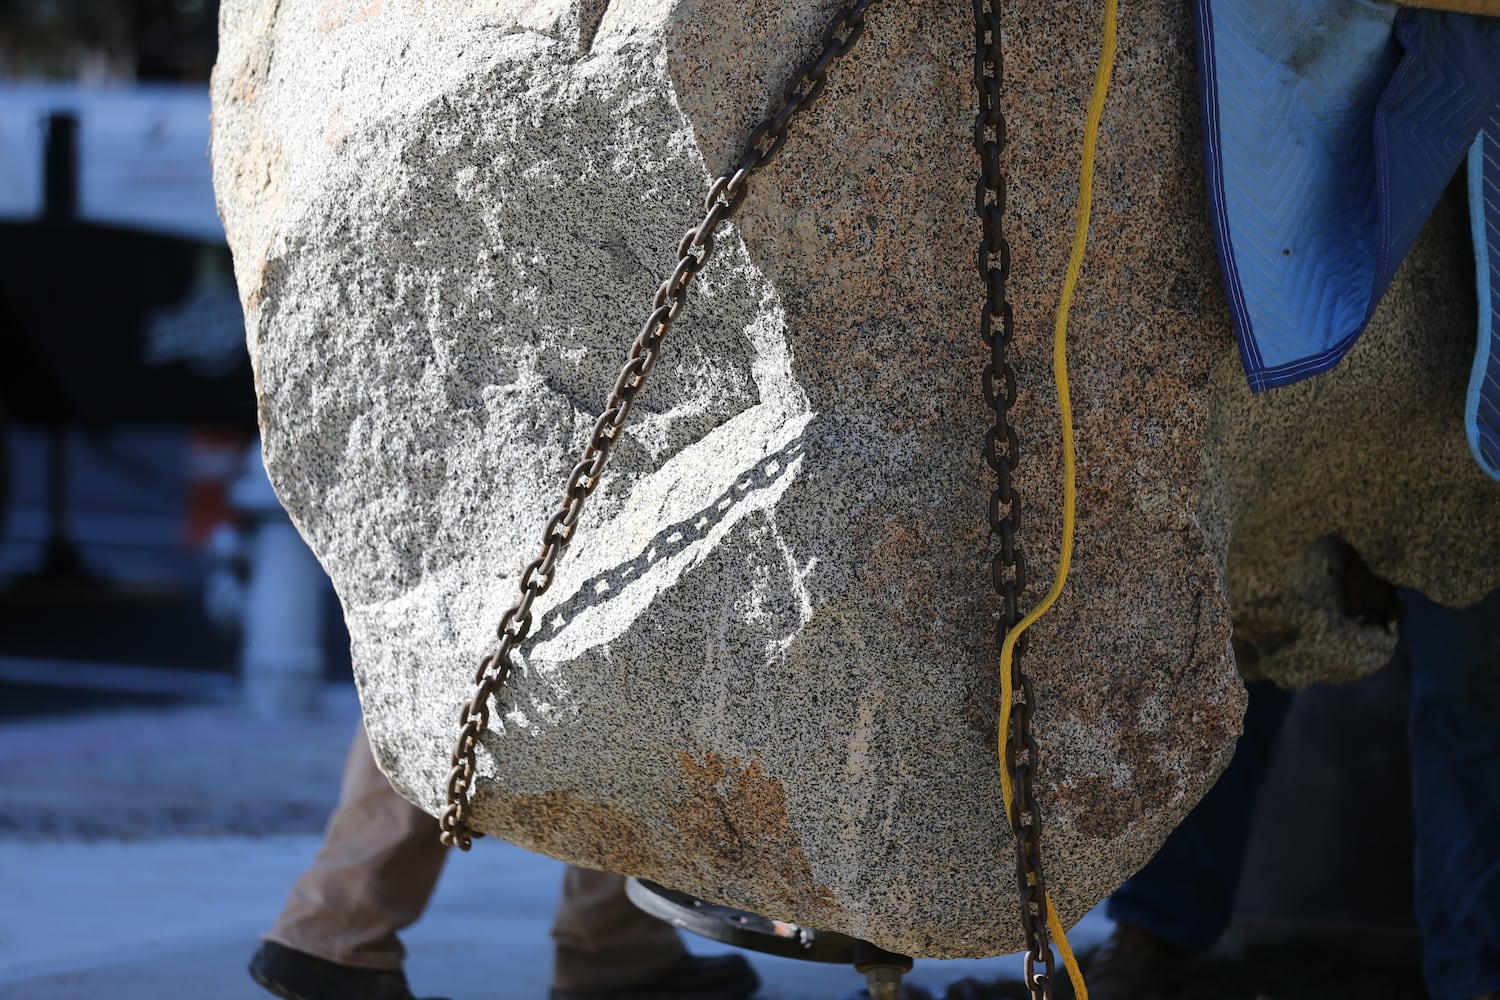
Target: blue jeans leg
x=1455 y=751
x=1185 y=894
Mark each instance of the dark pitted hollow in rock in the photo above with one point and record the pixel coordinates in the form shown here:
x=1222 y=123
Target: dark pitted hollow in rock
x=1336 y=489
x=765 y=673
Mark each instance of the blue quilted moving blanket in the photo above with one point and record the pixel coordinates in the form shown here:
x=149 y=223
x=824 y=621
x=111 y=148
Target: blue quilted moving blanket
x=1331 y=129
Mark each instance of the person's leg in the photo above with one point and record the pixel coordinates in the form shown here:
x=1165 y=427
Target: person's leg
x=374 y=875
x=1185 y=894
x=607 y=949
x=603 y=940
x=1455 y=752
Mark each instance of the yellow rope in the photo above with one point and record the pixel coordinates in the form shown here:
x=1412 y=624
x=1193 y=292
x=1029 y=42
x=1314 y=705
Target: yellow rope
x=1065 y=409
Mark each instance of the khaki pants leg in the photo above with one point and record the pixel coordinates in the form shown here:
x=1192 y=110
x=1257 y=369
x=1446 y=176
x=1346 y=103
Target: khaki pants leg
x=377 y=868
x=603 y=941
x=380 y=862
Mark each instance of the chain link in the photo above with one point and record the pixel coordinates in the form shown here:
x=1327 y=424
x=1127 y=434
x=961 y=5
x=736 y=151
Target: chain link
x=724 y=198
x=1002 y=455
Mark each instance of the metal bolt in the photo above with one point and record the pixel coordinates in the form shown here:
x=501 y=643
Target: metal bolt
x=884 y=982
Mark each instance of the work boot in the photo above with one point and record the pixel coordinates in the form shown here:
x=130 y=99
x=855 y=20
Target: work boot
x=694 y=977
x=296 y=975
x=1135 y=964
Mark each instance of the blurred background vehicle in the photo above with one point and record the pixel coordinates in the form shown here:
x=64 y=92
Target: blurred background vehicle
x=134 y=516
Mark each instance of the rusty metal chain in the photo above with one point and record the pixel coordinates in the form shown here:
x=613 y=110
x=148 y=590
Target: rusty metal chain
x=693 y=252
x=1002 y=454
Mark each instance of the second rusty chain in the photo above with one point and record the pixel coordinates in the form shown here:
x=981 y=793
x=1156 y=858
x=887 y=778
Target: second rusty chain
x=1002 y=454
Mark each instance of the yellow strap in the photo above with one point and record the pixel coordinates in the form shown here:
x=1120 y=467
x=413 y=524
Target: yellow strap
x=1065 y=408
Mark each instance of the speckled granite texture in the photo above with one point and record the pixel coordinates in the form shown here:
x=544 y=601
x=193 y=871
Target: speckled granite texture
x=765 y=673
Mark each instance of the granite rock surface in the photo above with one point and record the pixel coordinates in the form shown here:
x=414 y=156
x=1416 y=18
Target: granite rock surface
x=765 y=672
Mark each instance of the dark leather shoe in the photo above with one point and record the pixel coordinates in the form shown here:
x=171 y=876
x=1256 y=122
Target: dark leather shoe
x=295 y=975
x=1135 y=964
x=694 y=977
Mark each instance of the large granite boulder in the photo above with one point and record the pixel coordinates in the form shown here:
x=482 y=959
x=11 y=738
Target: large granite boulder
x=765 y=673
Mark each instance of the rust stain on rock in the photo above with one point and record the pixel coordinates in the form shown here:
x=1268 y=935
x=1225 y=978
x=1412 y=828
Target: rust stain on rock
x=589 y=834
x=337 y=129
x=736 y=815
x=336 y=14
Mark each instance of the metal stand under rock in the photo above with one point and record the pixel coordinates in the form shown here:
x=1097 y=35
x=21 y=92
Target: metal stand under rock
x=883 y=970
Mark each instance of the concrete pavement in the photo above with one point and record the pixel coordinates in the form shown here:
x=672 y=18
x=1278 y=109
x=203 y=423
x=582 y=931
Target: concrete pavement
x=142 y=851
